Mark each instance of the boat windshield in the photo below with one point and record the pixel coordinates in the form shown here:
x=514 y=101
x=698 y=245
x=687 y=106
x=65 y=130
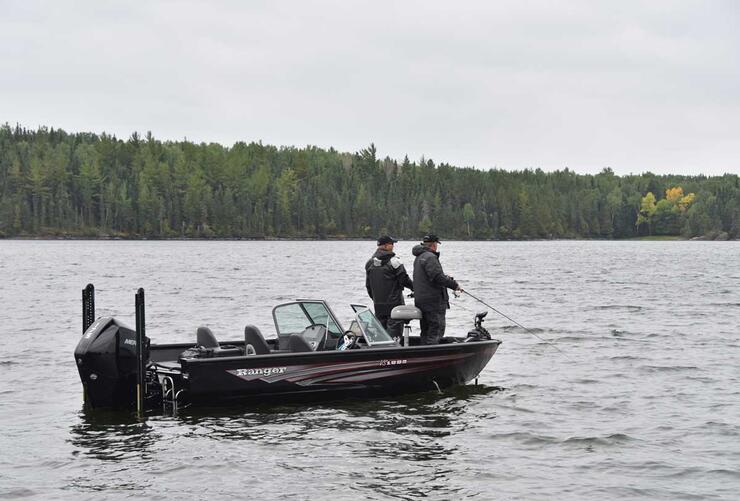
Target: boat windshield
x=292 y=318
x=372 y=329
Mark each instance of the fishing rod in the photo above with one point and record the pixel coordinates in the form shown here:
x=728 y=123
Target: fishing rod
x=517 y=323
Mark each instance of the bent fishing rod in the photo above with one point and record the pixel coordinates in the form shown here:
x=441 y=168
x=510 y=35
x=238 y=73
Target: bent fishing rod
x=512 y=320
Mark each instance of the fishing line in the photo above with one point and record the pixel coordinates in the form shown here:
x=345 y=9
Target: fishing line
x=517 y=323
x=460 y=305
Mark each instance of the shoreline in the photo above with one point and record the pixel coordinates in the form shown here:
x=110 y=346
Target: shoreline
x=354 y=239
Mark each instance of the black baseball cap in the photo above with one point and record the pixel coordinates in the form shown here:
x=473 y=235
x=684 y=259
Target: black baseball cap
x=385 y=239
x=431 y=237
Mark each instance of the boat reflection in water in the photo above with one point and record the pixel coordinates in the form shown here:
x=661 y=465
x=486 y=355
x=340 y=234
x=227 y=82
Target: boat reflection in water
x=399 y=447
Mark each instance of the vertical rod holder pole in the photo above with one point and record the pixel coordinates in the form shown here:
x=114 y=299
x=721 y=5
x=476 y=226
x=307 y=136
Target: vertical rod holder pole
x=140 y=337
x=88 y=317
x=88 y=307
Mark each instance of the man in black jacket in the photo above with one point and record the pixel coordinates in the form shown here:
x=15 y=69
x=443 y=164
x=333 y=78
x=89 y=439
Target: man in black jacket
x=430 y=289
x=385 y=278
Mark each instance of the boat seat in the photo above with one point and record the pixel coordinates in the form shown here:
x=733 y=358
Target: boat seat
x=316 y=336
x=406 y=312
x=331 y=341
x=254 y=342
x=209 y=347
x=204 y=337
x=296 y=344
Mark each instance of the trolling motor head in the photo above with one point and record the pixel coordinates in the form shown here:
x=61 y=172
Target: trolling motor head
x=479 y=317
x=479 y=333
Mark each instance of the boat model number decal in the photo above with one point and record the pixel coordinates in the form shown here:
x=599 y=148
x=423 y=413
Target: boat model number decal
x=262 y=371
x=386 y=363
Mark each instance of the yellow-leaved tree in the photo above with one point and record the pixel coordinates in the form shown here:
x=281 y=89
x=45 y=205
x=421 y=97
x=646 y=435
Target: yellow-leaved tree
x=670 y=214
x=673 y=195
x=647 y=209
x=679 y=201
x=685 y=202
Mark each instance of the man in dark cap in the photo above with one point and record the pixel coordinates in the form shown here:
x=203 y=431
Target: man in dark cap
x=430 y=289
x=385 y=278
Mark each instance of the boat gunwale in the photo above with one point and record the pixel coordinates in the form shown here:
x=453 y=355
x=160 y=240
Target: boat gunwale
x=399 y=350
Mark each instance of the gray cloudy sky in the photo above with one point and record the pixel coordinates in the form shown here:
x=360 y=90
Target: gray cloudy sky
x=633 y=85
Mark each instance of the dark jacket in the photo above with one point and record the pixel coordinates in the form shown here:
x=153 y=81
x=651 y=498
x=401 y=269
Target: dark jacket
x=385 y=278
x=430 y=282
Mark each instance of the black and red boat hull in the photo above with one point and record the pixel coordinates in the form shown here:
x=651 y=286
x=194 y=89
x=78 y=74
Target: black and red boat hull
x=377 y=371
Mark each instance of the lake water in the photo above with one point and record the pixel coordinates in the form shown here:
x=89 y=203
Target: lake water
x=633 y=390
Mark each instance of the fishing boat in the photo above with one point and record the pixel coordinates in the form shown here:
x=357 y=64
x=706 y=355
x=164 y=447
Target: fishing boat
x=311 y=356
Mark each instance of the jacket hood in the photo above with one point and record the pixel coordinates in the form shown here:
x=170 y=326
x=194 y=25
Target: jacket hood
x=419 y=249
x=383 y=255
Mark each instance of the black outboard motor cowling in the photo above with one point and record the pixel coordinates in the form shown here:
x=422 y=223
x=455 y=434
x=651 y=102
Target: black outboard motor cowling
x=106 y=360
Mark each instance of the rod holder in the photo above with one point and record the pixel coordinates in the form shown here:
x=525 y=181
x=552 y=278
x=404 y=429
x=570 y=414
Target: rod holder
x=140 y=337
x=88 y=307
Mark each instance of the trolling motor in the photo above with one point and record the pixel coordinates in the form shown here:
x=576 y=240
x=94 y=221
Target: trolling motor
x=479 y=333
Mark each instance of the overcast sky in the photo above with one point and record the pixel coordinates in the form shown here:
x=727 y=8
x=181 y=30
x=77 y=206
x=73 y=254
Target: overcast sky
x=631 y=85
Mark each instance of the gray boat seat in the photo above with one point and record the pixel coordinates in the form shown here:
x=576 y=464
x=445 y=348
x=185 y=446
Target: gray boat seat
x=208 y=346
x=205 y=338
x=406 y=312
x=254 y=342
x=297 y=344
x=315 y=336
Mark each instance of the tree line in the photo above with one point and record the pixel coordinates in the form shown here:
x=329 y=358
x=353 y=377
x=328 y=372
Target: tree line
x=83 y=184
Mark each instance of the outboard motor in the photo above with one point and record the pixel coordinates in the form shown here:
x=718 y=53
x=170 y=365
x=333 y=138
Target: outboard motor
x=479 y=333
x=106 y=360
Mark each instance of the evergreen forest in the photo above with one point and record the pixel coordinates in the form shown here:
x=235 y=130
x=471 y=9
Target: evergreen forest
x=58 y=184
